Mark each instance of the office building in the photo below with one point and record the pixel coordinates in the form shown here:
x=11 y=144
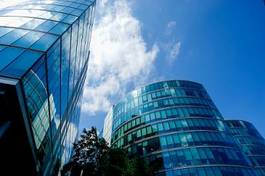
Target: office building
x=44 y=52
x=176 y=126
x=250 y=141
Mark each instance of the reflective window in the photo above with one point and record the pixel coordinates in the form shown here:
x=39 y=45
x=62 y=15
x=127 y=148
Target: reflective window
x=12 y=36
x=22 y=63
x=28 y=39
x=8 y=55
x=44 y=42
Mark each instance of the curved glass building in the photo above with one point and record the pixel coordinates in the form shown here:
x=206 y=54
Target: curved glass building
x=44 y=52
x=250 y=141
x=177 y=127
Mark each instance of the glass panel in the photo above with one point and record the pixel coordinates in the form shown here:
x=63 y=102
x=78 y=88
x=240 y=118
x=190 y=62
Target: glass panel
x=65 y=69
x=9 y=54
x=69 y=19
x=28 y=39
x=34 y=84
x=32 y=24
x=22 y=63
x=46 y=26
x=13 y=21
x=4 y=31
x=12 y=36
x=59 y=28
x=53 y=62
x=45 y=42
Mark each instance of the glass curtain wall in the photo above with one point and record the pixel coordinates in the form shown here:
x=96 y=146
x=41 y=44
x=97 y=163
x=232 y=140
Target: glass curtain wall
x=176 y=126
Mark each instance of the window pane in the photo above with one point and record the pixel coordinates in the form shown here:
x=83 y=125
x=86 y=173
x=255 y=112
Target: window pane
x=9 y=54
x=45 y=42
x=22 y=63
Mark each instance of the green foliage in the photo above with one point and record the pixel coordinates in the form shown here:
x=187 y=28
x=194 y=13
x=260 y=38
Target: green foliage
x=93 y=157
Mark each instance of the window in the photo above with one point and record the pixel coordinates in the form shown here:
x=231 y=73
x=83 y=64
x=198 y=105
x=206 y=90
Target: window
x=163 y=113
x=176 y=139
x=187 y=154
x=172 y=125
x=133 y=123
x=158 y=115
x=44 y=42
x=169 y=140
x=8 y=55
x=129 y=125
x=138 y=133
x=154 y=127
x=149 y=130
x=22 y=63
x=163 y=141
x=12 y=36
x=169 y=114
x=129 y=137
x=166 y=125
x=137 y=121
x=147 y=118
x=143 y=131
x=152 y=116
x=195 y=153
x=160 y=127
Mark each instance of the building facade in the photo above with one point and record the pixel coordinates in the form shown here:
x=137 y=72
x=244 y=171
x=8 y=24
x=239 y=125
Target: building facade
x=44 y=52
x=178 y=129
x=250 y=141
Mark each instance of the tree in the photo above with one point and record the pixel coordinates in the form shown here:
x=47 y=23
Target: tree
x=93 y=157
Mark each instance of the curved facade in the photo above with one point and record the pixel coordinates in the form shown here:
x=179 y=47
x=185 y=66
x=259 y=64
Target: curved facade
x=250 y=141
x=177 y=127
x=44 y=53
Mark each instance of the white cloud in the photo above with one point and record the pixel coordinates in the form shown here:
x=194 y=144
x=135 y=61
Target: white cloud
x=119 y=56
x=174 y=51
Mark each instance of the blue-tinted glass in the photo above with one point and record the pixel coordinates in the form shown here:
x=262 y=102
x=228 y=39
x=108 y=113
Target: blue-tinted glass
x=4 y=31
x=28 y=39
x=83 y=7
x=58 y=16
x=79 y=49
x=69 y=19
x=68 y=10
x=22 y=63
x=8 y=55
x=76 y=12
x=46 y=26
x=37 y=103
x=53 y=62
x=45 y=42
x=49 y=7
x=2 y=47
x=59 y=28
x=73 y=57
x=65 y=69
x=44 y=72
x=32 y=24
x=12 y=36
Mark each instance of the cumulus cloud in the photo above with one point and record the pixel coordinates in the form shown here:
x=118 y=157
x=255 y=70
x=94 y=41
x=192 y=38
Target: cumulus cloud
x=175 y=49
x=119 y=56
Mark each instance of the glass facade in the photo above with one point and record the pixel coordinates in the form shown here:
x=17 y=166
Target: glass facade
x=177 y=128
x=44 y=48
x=250 y=141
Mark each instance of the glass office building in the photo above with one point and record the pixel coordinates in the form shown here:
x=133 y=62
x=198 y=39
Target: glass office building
x=44 y=52
x=250 y=141
x=177 y=128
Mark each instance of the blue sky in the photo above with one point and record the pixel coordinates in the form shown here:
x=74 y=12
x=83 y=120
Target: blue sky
x=219 y=43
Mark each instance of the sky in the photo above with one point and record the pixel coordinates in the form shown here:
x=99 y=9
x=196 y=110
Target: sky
x=219 y=43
